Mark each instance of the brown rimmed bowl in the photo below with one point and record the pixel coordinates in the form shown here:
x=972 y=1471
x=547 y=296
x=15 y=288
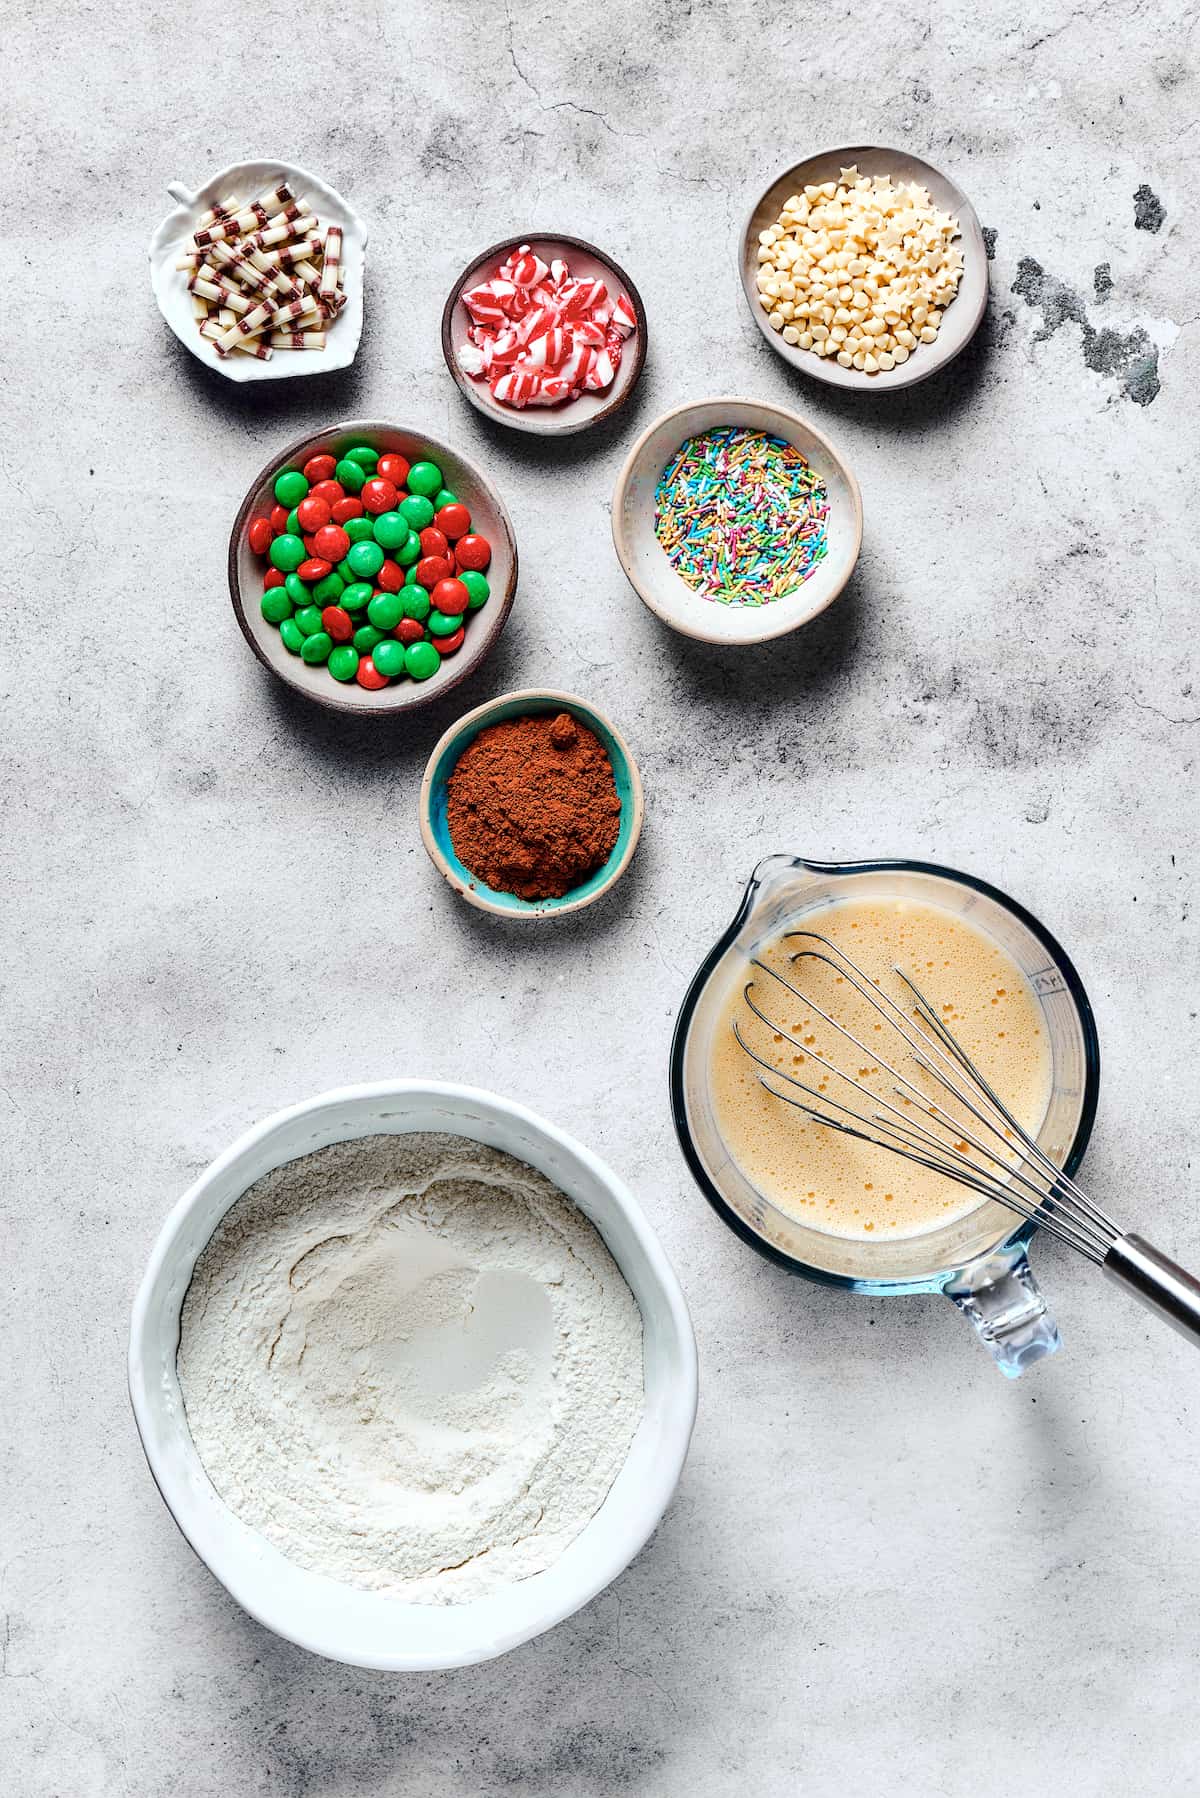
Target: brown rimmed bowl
x=575 y=415
x=435 y=830
x=647 y=567
x=961 y=318
x=488 y=516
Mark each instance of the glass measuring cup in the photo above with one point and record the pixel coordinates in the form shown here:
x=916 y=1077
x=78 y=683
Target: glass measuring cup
x=979 y=1258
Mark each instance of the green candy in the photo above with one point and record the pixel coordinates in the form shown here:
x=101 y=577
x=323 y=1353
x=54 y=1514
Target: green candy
x=293 y=636
x=365 y=639
x=315 y=649
x=308 y=619
x=366 y=559
x=414 y=602
x=329 y=591
x=425 y=478
x=391 y=530
x=287 y=552
x=276 y=606
x=345 y=572
x=357 y=595
x=297 y=590
x=364 y=455
x=385 y=611
x=444 y=498
x=290 y=487
x=421 y=660
x=343 y=662
x=358 y=529
x=409 y=551
x=416 y=508
x=440 y=624
x=389 y=658
x=477 y=588
x=351 y=475
x=293 y=523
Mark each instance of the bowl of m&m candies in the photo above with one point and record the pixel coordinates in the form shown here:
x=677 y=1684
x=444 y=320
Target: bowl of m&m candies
x=372 y=567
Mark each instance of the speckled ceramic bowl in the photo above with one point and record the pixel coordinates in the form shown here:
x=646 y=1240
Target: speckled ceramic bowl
x=435 y=830
x=583 y=259
x=960 y=321
x=488 y=516
x=645 y=561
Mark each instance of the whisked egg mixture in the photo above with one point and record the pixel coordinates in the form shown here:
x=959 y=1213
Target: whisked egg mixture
x=830 y=1181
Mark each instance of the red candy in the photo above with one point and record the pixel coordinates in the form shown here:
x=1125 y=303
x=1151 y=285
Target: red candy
x=379 y=496
x=338 y=623
x=343 y=510
x=432 y=569
x=454 y=520
x=314 y=569
x=473 y=552
x=369 y=676
x=272 y=578
x=318 y=468
x=409 y=631
x=310 y=545
x=331 y=543
x=312 y=512
x=330 y=491
x=446 y=646
x=259 y=535
x=433 y=543
x=390 y=577
x=450 y=597
x=392 y=467
x=279 y=520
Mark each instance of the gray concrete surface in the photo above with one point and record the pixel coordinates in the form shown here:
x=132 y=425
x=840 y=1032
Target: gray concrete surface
x=887 y=1569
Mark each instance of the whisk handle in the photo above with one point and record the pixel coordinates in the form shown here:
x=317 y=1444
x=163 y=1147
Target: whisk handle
x=1160 y=1283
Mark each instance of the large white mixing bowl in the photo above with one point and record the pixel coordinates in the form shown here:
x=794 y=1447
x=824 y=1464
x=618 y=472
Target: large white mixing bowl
x=368 y=1629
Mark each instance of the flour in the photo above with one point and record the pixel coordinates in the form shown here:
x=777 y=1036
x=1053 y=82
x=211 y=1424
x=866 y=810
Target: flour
x=411 y=1362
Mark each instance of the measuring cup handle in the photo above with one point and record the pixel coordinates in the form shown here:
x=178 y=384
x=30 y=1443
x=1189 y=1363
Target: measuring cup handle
x=1001 y=1298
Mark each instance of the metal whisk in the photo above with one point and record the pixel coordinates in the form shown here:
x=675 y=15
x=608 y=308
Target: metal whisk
x=958 y=1126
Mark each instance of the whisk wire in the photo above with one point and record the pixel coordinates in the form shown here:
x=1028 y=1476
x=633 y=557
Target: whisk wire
x=1051 y=1200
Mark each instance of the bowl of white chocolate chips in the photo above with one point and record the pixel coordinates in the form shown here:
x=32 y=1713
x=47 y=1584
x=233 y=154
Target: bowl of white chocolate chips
x=865 y=267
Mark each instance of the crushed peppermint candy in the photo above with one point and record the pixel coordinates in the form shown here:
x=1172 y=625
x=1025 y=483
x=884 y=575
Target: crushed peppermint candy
x=539 y=336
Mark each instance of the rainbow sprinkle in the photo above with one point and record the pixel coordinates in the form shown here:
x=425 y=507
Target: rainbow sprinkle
x=741 y=516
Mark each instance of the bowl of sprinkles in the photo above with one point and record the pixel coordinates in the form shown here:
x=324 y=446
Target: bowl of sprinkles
x=735 y=520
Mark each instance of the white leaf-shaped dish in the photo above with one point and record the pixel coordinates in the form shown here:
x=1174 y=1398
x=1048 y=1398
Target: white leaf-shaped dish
x=247 y=180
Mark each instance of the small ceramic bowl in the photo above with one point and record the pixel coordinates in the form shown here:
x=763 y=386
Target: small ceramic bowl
x=962 y=316
x=488 y=517
x=583 y=259
x=435 y=831
x=346 y=1623
x=247 y=180
x=645 y=561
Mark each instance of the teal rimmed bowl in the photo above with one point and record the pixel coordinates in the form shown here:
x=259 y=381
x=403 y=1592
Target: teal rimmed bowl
x=435 y=830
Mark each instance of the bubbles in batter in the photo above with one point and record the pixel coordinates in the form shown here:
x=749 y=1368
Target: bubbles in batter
x=829 y=1181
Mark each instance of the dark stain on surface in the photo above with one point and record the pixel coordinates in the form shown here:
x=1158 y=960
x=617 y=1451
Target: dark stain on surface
x=1128 y=357
x=1170 y=73
x=988 y=233
x=1102 y=281
x=1148 y=210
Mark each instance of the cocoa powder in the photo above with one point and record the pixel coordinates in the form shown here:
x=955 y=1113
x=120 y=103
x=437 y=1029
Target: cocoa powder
x=532 y=805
